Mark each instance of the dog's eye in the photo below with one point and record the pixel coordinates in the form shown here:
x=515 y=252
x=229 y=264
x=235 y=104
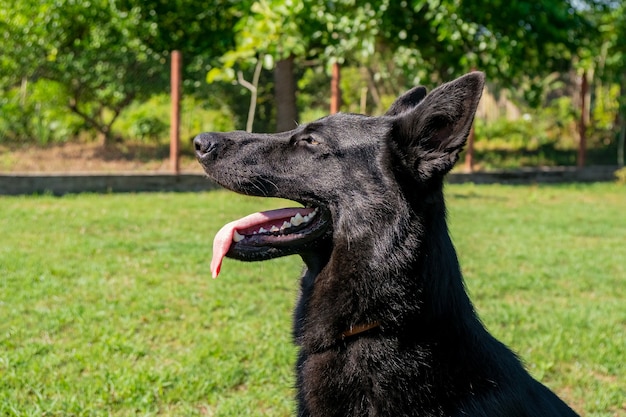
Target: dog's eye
x=307 y=140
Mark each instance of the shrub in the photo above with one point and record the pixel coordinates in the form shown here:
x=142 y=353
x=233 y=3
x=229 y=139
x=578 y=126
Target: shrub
x=37 y=112
x=545 y=136
x=149 y=127
x=150 y=120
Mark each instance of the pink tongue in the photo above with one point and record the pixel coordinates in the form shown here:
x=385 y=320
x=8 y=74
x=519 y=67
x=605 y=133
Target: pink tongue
x=224 y=238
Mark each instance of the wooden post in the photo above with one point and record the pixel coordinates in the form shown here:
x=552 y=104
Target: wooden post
x=582 y=123
x=335 y=89
x=469 y=148
x=621 y=117
x=469 y=151
x=175 y=113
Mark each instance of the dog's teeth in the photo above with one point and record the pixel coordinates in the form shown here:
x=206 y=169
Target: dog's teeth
x=237 y=237
x=285 y=225
x=297 y=220
x=274 y=229
x=262 y=230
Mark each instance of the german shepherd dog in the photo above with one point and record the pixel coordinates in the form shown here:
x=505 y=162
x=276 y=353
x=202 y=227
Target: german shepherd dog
x=383 y=323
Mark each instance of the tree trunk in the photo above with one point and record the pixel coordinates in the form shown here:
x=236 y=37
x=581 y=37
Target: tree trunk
x=620 y=145
x=103 y=139
x=582 y=123
x=335 y=89
x=621 y=141
x=285 y=95
x=95 y=119
x=469 y=148
x=469 y=151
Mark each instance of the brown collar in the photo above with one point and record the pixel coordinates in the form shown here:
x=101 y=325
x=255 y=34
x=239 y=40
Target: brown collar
x=358 y=329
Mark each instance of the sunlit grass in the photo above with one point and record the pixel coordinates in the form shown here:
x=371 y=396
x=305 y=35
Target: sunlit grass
x=108 y=307
x=547 y=271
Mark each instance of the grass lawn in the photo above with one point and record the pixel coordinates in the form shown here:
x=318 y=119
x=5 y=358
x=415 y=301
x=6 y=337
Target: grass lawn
x=107 y=307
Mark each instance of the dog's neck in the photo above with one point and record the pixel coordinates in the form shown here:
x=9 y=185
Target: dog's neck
x=387 y=274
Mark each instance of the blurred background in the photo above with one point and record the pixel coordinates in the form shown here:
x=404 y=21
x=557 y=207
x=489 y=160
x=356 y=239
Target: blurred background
x=88 y=81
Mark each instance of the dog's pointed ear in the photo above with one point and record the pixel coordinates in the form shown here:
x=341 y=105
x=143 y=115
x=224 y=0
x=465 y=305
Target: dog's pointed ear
x=407 y=101
x=430 y=137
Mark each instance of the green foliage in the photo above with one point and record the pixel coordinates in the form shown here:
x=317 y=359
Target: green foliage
x=149 y=127
x=146 y=120
x=545 y=136
x=197 y=29
x=108 y=308
x=36 y=112
x=400 y=44
x=607 y=56
x=267 y=31
x=544 y=36
x=201 y=31
x=606 y=106
x=344 y=30
x=150 y=120
x=608 y=48
x=89 y=48
x=197 y=117
x=107 y=54
x=310 y=83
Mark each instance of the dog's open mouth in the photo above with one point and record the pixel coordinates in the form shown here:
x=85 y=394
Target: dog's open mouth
x=267 y=235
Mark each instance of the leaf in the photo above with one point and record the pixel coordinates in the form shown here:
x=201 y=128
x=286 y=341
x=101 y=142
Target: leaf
x=220 y=74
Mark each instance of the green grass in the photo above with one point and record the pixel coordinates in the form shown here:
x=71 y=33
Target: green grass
x=107 y=307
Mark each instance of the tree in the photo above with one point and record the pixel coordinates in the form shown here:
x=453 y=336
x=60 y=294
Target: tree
x=608 y=54
x=269 y=30
x=401 y=44
x=201 y=30
x=104 y=53
x=287 y=33
x=510 y=41
x=89 y=49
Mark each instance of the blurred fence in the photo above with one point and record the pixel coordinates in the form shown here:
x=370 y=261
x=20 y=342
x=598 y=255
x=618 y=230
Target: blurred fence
x=61 y=184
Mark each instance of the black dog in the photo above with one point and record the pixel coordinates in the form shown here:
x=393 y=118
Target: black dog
x=383 y=323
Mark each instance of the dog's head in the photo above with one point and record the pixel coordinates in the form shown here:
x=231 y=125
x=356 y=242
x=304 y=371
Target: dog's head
x=341 y=168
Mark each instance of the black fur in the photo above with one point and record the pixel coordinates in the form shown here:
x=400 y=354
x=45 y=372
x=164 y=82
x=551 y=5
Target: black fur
x=385 y=256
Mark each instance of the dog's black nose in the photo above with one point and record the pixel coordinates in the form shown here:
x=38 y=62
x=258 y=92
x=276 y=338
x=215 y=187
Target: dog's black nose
x=204 y=144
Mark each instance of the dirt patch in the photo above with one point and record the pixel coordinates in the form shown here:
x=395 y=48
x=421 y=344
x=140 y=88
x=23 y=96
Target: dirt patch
x=92 y=157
